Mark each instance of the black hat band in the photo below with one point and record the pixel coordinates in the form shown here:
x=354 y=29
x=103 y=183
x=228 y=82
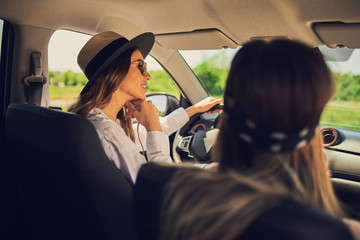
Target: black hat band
x=102 y=56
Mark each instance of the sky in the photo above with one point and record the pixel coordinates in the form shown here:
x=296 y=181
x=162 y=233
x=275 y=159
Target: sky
x=65 y=45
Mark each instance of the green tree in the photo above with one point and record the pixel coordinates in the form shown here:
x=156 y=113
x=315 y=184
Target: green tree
x=212 y=73
x=347 y=87
x=54 y=78
x=68 y=78
x=161 y=82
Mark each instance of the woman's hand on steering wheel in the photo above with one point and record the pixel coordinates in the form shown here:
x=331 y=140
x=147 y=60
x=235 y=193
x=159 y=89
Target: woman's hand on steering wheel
x=205 y=105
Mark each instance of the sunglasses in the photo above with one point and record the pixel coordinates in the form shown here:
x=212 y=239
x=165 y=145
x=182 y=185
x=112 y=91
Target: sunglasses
x=143 y=69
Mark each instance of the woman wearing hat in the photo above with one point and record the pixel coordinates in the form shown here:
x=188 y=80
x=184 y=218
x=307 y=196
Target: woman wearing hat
x=116 y=91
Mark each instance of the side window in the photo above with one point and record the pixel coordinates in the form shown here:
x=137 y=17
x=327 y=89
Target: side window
x=6 y=48
x=343 y=110
x=66 y=79
x=1 y=32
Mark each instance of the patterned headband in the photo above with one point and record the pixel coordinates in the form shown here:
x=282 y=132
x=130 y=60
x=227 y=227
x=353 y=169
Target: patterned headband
x=271 y=141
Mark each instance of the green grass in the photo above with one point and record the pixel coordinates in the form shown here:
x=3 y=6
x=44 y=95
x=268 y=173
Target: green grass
x=161 y=82
x=64 y=93
x=342 y=114
x=63 y=96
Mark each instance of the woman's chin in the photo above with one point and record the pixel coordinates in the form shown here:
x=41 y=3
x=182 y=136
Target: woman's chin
x=143 y=97
x=140 y=95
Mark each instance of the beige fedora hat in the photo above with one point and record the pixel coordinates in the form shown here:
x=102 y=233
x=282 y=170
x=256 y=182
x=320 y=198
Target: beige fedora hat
x=103 y=48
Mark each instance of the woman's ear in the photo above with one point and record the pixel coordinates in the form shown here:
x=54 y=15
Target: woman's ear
x=128 y=113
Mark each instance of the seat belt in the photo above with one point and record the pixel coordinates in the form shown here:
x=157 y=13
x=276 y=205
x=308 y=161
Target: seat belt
x=35 y=81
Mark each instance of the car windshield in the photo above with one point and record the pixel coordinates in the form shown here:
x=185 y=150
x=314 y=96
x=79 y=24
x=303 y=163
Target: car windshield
x=211 y=67
x=343 y=110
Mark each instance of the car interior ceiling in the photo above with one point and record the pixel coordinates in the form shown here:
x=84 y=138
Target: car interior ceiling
x=226 y=17
x=91 y=196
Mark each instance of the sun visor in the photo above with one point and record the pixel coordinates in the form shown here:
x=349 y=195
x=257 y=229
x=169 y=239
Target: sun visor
x=199 y=39
x=339 y=34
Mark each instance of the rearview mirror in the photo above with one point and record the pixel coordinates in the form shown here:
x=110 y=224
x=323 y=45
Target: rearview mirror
x=164 y=102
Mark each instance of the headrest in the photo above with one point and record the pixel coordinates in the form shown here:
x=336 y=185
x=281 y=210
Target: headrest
x=61 y=136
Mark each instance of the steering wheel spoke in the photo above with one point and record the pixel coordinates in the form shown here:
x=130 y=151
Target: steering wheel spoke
x=184 y=144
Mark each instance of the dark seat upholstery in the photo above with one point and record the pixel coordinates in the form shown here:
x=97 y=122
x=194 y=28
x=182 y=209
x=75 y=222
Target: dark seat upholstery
x=294 y=221
x=287 y=221
x=71 y=190
x=147 y=198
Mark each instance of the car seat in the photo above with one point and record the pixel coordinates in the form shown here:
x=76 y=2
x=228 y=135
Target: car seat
x=288 y=220
x=70 y=189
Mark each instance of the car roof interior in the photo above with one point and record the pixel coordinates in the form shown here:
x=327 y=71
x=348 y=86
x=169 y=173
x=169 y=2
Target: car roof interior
x=168 y=19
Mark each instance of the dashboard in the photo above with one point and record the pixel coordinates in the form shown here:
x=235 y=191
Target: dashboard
x=194 y=141
x=196 y=138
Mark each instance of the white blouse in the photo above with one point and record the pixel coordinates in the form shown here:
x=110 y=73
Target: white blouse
x=124 y=152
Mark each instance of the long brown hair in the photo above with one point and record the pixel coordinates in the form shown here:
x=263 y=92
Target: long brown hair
x=100 y=92
x=281 y=85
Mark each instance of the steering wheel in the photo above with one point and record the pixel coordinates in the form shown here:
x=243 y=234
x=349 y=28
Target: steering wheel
x=196 y=144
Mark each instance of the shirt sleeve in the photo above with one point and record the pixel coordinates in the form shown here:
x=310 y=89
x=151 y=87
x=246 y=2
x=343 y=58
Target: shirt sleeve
x=169 y=124
x=158 y=147
x=174 y=121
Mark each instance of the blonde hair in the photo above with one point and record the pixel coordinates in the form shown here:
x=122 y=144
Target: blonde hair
x=100 y=92
x=201 y=204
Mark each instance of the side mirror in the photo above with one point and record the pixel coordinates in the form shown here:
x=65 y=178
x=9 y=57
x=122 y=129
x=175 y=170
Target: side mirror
x=164 y=102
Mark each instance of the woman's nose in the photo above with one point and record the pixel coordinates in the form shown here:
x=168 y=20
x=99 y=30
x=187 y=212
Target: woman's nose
x=147 y=76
